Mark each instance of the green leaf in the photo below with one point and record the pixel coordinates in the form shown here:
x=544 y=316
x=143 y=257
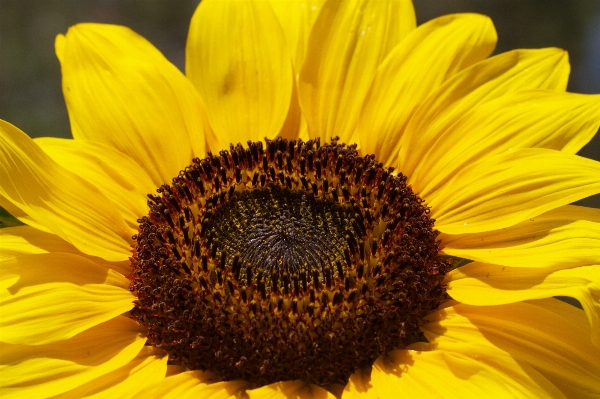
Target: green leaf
x=7 y=220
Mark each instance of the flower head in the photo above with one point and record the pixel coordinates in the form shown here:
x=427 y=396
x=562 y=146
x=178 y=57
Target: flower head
x=331 y=202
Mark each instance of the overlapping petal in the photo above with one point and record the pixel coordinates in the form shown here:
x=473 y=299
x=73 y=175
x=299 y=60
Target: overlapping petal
x=346 y=45
x=297 y=18
x=194 y=384
x=359 y=385
x=486 y=80
x=51 y=369
x=61 y=201
x=492 y=157
x=503 y=190
x=121 y=179
x=289 y=389
x=529 y=119
x=26 y=240
x=126 y=382
x=121 y=91
x=484 y=284
x=20 y=215
x=408 y=76
x=565 y=237
x=461 y=369
x=551 y=336
x=237 y=58
x=53 y=296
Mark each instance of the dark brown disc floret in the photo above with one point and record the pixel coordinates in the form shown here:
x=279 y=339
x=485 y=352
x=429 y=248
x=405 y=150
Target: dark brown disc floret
x=285 y=260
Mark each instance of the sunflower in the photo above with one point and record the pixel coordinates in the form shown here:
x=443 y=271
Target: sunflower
x=331 y=202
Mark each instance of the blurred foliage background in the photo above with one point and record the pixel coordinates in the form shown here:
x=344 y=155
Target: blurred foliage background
x=30 y=83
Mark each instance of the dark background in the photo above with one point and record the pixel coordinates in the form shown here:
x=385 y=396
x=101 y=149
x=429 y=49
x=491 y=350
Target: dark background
x=30 y=82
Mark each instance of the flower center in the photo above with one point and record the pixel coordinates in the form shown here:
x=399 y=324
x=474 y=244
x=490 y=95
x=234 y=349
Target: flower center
x=294 y=261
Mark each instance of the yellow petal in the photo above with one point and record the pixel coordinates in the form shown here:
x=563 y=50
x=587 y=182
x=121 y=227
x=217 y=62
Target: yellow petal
x=26 y=240
x=290 y=389
x=482 y=82
x=348 y=41
x=529 y=119
x=430 y=55
x=54 y=296
x=484 y=284
x=359 y=386
x=295 y=125
x=20 y=215
x=550 y=335
x=59 y=47
x=121 y=91
x=48 y=370
x=148 y=367
x=461 y=370
x=194 y=384
x=503 y=190
x=567 y=236
x=297 y=18
x=237 y=58
x=121 y=179
x=63 y=202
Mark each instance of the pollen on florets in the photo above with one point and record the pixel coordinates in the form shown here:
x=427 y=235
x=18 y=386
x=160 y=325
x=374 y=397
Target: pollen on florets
x=289 y=260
